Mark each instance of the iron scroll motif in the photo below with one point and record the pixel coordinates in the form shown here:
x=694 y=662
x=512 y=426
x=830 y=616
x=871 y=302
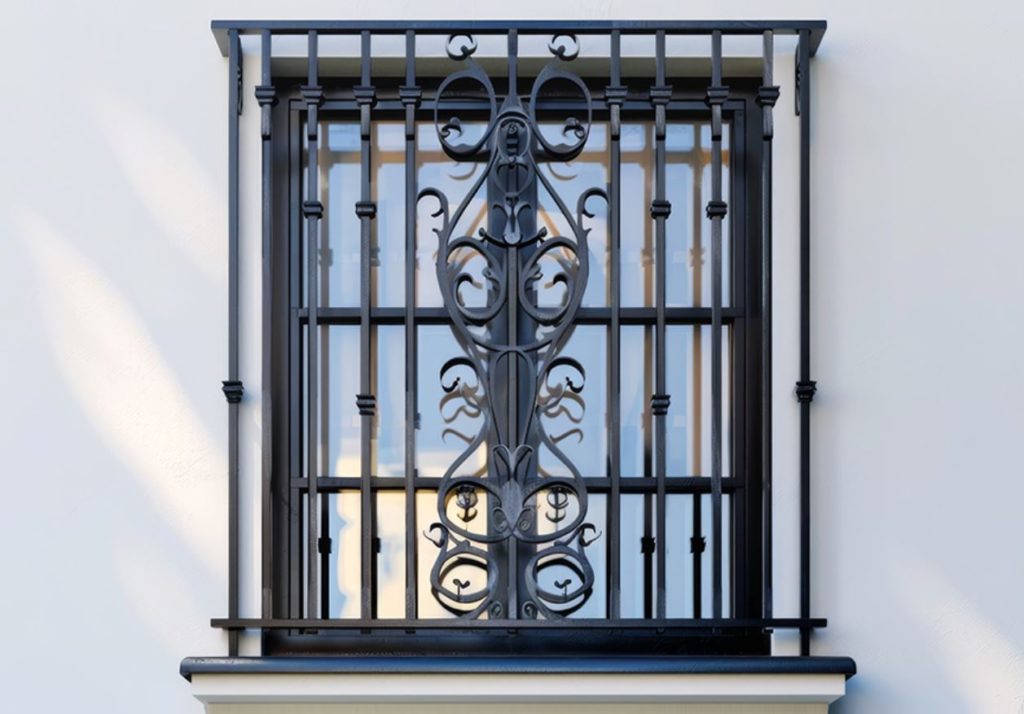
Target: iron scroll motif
x=512 y=535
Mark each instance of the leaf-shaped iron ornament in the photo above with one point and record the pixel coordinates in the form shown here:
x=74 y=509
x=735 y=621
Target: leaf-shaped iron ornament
x=511 y=376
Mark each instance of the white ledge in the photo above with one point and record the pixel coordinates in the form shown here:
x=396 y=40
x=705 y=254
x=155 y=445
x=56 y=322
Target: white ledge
x=456 y=688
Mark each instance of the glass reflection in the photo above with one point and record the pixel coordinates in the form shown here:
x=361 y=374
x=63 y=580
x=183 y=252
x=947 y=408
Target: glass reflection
x=344 y=565
x=687 y=229
x=443 y=427
x=578 y=426
x=455 y=179
x=569 y=180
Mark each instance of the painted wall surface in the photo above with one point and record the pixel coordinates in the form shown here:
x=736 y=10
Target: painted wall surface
x=113 y=304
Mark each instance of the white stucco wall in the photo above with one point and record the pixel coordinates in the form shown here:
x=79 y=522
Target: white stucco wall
x=113 y=307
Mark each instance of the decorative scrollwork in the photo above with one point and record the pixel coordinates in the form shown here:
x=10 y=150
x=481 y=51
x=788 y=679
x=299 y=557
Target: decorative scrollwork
x=565 y=46
x=538 y=513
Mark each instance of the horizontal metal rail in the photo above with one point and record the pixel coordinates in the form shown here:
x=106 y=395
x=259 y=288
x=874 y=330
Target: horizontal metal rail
x=814 y=28
x=779 y=623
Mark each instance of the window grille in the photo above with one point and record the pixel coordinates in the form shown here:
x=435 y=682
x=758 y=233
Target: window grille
x=519 y=215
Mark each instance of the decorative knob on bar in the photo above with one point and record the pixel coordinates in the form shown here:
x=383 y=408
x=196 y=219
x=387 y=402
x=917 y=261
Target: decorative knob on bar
x=616 y=94
x=365 y=95
x=232 y=389
x=266 y=95
x=410 y=95
x=366 y=209
x=312 y=95
x=661 y=94
x=805 y=390
x=366 y=403
x=660 y=208
x=717 y=209
x=660 y=403
x=767 y=96
x=312 y=209
x=716 y=96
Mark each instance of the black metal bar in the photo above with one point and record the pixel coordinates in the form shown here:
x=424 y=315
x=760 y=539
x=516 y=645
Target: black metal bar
x=660 y=209
x=636 y=664
x=815 y=29
x=767 y=95
x=585 y=315
x=410 y=94
x=697 y=542
x=615 y=95
x=313 y=210
x=295 y=355
x=266 y=97
x=521 y=624
x=366 y=209
x=806 y=387
x=233 y=386
x=716 y=209
x=673 y=484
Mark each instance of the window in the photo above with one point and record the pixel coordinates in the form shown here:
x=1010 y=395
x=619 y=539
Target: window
x=516 y=337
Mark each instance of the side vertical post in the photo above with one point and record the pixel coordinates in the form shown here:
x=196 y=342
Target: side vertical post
x=806 y=387
x=232 y=386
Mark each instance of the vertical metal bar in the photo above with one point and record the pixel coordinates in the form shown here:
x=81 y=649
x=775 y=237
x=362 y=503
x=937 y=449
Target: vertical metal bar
x=716 y=210
x=313 y=210
x=266 y=97
x=232 y=387
x=295 y=252
x=697 y=542
x=767 y=94
x=512 y=573
x=806 y=387
x=410 y=95
x=366 y=210
x=615 y=95
x=660 y=209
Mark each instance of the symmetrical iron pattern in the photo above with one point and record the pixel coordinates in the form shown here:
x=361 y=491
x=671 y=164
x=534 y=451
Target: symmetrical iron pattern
x=512 y=345
x=518 y=537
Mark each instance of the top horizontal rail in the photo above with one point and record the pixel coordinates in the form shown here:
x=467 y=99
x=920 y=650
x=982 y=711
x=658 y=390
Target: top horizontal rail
x=816 y=28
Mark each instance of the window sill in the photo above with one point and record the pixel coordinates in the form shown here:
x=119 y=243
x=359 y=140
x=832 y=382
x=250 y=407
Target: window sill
x=457 y=684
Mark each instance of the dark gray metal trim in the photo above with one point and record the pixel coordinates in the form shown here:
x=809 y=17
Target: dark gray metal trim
x=814 y=28
x=518 y=665
x=805 y=387
x=233 y=386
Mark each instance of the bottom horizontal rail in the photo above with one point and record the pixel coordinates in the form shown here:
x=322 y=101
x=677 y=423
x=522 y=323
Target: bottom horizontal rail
x=778 y=623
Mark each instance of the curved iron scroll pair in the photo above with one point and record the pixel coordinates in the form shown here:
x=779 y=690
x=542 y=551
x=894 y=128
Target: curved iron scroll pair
x=497 y=555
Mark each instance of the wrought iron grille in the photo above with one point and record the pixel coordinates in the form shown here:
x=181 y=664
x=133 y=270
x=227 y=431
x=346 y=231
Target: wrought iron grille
x=512 y=542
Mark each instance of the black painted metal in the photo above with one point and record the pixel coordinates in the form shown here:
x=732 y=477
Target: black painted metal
x=661 y=93
x=514 y=339
x=814 y=28
x=767 y=95
x=313 y=210
x=538 y=665
x=232 y=387
x=716 y=209
x=566 y=624
x=366 y=401
x=266 y=97
x=806 y=387
x=615 y=96
x=507 y=367
x=410 y=95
